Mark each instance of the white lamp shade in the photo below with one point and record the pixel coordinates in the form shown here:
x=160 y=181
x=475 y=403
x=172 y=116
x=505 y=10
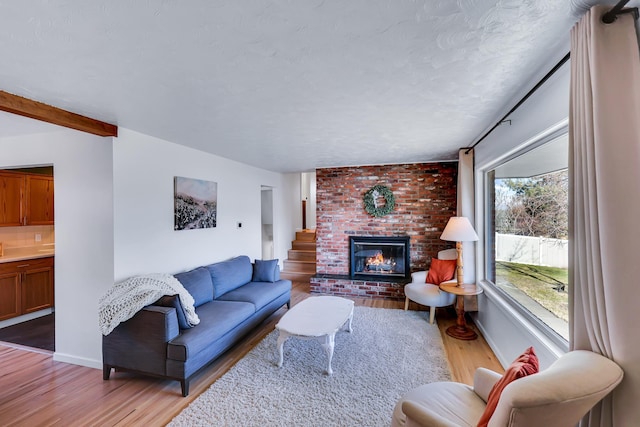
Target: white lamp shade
x=459 y=229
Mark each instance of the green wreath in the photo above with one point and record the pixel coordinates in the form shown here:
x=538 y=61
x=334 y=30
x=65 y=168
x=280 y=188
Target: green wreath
x=371 y=201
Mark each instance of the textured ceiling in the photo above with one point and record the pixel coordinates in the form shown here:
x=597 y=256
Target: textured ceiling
x=286 y=85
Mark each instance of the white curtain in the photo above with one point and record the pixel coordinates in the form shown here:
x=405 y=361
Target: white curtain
x=466 y=207
x=604 y=140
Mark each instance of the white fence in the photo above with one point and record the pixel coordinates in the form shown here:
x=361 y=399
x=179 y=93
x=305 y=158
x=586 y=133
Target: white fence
x=532 y=250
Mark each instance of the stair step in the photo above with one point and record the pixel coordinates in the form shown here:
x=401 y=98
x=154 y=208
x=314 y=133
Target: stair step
x=304 y=246
x=298 y=255
x=293 y=276
x=301 y=262
x=300 y=266
x=306 y=235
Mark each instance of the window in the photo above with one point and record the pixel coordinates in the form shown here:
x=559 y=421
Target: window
x=527 y=234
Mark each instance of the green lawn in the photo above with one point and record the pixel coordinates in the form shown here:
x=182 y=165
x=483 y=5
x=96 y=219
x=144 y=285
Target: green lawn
x=547 y=285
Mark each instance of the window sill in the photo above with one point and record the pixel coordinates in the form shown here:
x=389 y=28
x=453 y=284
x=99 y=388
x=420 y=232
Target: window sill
x=524 y=321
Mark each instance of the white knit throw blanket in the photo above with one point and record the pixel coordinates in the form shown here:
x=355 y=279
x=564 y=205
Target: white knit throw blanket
x=123 y=300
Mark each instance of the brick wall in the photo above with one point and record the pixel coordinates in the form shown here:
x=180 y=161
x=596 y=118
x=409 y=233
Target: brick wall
x=425 y=196
x=357 y=288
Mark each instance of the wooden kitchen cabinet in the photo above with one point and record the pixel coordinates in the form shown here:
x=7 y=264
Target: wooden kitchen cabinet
x=37 y=285
x=39 y=200
x=10 y=295
x=25 y=199
x=12 y=204
x=26 y=286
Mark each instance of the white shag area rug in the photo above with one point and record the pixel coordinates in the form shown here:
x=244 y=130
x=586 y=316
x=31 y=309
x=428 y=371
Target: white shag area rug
x=388 y=353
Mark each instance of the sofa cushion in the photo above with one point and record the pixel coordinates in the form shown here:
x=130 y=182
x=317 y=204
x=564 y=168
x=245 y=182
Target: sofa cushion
x=258 y=293
x=216 y=319
x=266 y=271
x=198 y=283
x=449 y=400
x=174 y=301
x=229 y=275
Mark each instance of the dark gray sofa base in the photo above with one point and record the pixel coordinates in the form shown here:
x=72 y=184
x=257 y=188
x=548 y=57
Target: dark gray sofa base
x=141 y=357
x=151 y=342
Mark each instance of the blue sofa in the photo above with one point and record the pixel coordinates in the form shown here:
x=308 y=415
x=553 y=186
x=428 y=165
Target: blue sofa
x=231 y=298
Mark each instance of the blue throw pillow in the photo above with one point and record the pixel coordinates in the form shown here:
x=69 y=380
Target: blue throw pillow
x=198 y=283
x=266 y=271
x=174 y=301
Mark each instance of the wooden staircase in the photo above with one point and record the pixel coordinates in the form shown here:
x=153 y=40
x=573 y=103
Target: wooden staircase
x=301 y=262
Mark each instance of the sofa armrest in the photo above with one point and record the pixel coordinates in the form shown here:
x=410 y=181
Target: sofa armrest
x=483 y=381
x=419 y=416
x=140 y=343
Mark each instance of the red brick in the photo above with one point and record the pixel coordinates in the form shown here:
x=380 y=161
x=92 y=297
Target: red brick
x=425 y=195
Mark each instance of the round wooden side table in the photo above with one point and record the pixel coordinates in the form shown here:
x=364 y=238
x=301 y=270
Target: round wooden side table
x=460 y=330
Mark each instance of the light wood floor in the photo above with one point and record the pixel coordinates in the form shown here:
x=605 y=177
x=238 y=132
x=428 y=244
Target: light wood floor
x=35 y=390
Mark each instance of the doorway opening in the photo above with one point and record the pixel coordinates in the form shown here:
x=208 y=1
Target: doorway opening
x=27 y=249
x=266 y=208
x=308 y=196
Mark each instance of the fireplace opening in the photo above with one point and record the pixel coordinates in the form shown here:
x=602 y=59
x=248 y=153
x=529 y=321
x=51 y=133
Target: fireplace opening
x=379 y=256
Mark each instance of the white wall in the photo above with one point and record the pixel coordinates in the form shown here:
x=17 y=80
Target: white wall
x=145 y=241
x=308 y=193
x=295 y=205
x=546 y=108
x=84 y=231
x=545 y=112
x=287 y=214
x=114 y=218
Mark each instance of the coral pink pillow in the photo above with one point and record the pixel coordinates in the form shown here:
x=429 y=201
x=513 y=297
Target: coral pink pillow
x=441 y=270
x=525 y=364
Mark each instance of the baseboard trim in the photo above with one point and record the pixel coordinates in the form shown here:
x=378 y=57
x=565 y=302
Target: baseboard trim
x=75 y=360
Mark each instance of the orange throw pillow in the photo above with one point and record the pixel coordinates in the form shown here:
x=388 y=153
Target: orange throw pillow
x=525 y=364
x=441 y=270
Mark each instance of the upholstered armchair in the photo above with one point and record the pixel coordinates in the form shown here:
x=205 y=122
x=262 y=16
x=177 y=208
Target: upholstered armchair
x=556 y=397
x=429 y=294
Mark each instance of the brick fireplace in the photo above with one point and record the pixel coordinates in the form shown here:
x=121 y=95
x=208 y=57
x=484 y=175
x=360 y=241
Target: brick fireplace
x=376 y=257
x=425 y=197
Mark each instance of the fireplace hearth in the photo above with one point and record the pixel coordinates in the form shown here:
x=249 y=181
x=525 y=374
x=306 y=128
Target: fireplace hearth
x=378 y=257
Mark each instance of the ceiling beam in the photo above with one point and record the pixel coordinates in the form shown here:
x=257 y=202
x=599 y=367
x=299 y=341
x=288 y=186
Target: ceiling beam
x=37 y=110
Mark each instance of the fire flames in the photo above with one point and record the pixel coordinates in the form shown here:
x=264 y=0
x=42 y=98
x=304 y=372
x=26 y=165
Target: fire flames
x=379 y=263
x=377 y=259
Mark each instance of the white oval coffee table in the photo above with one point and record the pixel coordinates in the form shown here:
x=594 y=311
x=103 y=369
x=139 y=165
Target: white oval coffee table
x=315 y=318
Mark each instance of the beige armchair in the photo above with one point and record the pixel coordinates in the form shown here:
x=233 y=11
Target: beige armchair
x=429 y=294
x=556 y=397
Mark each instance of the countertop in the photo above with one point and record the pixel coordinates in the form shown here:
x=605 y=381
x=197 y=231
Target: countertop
x=27 y=252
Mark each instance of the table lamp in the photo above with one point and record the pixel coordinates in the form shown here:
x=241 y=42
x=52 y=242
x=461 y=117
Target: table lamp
x=459 y=230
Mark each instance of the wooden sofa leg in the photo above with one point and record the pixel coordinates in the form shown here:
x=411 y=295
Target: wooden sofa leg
x=432 y=314
x=184 y=384
x=406 y=303
x=106 y=372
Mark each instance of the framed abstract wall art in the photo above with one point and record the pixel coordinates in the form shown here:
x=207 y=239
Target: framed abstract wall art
x=195 y=203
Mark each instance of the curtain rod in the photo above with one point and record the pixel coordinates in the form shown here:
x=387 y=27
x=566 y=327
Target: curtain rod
x=616 y=10
x=531 y=92
x=607 y=18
